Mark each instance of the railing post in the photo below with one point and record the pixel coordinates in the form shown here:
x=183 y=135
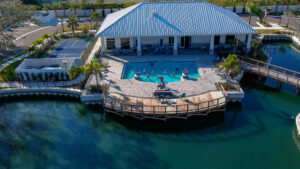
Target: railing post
x=121 y=104
x=218 y=102
x=176 y=109
x=131 y=108
x=208 y=106
x=153 y=109
x=165 y=112
x=187 y=108
x=198 y=107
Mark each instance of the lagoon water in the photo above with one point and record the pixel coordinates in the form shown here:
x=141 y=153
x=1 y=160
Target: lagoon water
x=258 y=133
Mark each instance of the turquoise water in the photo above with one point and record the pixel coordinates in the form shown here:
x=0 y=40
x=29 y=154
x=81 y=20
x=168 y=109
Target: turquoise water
x=151 y=71
x=258 y=133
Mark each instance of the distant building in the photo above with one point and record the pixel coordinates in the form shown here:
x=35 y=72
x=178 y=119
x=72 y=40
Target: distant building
x=47 y=68
x=173 y=26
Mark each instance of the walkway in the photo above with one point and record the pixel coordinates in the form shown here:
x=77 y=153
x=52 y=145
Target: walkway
x=272 y=71
x=4 y=65
x=95 y=49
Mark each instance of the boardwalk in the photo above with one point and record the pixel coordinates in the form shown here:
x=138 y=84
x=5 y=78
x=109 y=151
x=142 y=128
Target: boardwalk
x=272 y=71
x=152 y=108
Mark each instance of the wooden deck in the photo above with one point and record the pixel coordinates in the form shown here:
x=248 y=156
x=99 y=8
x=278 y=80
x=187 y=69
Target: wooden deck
x=272 y=71
x=162 y=109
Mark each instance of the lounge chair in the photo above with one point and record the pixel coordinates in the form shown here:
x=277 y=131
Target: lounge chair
x=116 y=52
x=125 y=52
x=183 y=95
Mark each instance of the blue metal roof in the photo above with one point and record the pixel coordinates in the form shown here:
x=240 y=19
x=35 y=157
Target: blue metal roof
x=173 y=18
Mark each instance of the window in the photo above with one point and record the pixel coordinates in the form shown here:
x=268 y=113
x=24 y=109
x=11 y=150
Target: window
x=230 y=39
x=125 y=43
x=171 y=41
x=217 y=40
x=110 y=43
x=161 y=42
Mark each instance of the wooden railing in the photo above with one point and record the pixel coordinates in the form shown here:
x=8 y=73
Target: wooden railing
x=164 y=112
x=276 y=72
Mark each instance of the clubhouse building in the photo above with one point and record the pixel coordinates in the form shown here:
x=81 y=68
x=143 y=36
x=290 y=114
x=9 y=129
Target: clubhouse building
x=172 y=27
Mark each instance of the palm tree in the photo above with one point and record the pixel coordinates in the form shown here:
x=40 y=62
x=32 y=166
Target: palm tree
x=73 y=23
x=83 y=6
x=75 y=72
x=74 y=6
x=289 y=13
x=63 y=5
x=55 y=6
x=46 y=7
x=62 y=23
x=252 y=8
x=95 y=68
x=95 y=17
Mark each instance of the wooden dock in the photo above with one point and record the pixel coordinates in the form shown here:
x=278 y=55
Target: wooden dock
x=163 y=109
x=278 y=73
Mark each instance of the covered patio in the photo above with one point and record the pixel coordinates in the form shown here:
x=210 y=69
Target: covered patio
x=166 y=28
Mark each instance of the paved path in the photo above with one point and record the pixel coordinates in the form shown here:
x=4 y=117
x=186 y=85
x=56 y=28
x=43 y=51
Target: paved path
x=95 y=49
x=4 y=65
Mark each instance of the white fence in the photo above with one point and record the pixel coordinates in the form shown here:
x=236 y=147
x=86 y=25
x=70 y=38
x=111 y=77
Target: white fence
x=87 y=13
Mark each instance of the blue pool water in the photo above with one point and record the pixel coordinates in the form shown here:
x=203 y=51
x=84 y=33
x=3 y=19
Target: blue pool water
x=170 y=71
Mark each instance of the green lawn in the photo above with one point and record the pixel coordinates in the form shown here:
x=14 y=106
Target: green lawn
x=8 y=73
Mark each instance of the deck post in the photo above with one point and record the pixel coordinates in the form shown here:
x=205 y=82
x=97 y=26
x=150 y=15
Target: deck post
x=139 y=48
x=102 y=46
x=175 y=47
x=279 y=85
x=211 y=45
x=248 y=45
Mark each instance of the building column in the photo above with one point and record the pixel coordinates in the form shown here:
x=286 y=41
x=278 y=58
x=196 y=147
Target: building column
x=139 y=48
x=118 y=43
x=248 y=45
x=102 y=46
x=131 y=43
x=212 y=44
x=175 y=47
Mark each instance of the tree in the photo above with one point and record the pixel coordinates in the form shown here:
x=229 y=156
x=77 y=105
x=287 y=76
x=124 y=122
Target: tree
x=95 y=68
x=73 y=23
x=74 y=6
x=230 y=65
x=55 y=7
x=11 y=12
x=75 y=72
x=252 y=8
x=83 y=6
x=62 y=23
x=95 y=17
x=46 y=7
x=63 y=5
x=289 y=13
x=256 y=47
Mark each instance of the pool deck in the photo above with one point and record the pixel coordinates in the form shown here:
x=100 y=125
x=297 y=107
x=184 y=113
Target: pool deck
x=131 y=87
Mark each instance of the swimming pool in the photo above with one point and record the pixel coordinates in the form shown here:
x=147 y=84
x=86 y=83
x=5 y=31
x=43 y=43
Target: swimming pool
x=150 y=71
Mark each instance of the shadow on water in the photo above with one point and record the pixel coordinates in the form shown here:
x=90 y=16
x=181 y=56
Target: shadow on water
x=66 y=134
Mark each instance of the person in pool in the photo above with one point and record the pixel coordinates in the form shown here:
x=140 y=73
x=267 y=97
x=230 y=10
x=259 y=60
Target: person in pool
x=173 y=74
x=145 y=70
x=177 y=69
x=166 y=71
x=147 y=75
x=153 y=72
